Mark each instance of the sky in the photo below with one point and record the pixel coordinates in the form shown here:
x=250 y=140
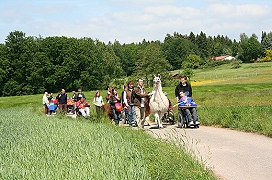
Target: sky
x=129 y=21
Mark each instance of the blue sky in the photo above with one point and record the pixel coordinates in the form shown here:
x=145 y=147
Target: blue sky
x=134 y=20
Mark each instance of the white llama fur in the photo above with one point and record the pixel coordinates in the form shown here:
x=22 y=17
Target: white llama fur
x=158 y=103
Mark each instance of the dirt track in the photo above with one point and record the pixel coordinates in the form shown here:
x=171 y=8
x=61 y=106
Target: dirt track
x=230 y=154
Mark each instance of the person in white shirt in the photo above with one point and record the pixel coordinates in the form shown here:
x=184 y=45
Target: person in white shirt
x=98 y=102
x=45 y=102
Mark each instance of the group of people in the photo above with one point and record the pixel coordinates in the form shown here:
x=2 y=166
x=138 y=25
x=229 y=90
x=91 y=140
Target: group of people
x=79 y=103
x=133 y=101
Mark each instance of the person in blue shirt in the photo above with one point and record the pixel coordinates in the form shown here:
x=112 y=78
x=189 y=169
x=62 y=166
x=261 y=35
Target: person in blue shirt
x=189 y=105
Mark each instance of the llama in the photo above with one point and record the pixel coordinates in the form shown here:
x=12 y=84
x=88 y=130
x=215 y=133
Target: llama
x=159 y=103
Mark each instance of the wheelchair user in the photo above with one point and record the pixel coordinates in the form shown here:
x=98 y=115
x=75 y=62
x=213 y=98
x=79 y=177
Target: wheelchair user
x=83 y=107
x=187 y=103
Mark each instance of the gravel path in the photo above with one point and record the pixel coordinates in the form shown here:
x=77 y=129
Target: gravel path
x=230 y=154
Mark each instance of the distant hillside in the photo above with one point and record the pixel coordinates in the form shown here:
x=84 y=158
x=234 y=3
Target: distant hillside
x=247 y=74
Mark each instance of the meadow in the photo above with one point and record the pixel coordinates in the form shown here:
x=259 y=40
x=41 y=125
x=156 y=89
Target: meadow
x=35 y=146
x=240 y=100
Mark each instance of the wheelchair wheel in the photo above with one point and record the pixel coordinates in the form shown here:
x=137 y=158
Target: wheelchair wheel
x=164 y=119
x=171 y=118
x=123 y=118
x=180 y=120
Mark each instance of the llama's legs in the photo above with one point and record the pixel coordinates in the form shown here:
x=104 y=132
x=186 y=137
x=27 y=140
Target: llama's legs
x=158 y=121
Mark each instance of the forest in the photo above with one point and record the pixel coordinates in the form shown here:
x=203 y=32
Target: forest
x=32 y=65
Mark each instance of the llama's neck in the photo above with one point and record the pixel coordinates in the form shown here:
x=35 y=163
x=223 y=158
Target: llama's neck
x=158 y=87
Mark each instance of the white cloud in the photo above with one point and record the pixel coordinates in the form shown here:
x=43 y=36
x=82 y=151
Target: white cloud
x=241 y=11
x=132 y=21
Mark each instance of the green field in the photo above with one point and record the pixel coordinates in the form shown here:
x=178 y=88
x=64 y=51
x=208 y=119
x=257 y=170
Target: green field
x=35 y=146
x=225 y=74
x=236 y=98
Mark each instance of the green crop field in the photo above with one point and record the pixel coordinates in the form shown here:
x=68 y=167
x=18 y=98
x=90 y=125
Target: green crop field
x=35 y=146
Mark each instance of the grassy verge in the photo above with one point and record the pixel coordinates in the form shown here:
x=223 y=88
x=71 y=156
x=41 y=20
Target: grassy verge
x=34 y=146
x=243 y=107
x=246 y=118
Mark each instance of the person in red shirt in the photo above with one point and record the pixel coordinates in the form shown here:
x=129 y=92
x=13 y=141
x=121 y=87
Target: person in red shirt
x=83 y=107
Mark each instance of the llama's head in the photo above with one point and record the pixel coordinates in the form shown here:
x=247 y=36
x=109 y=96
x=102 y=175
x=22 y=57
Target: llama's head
x=157 y=79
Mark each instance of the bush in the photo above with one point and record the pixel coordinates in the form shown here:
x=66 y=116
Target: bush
x=236 y=63
x=12 y=88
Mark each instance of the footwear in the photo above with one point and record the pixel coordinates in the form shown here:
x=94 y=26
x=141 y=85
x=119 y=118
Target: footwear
x=179 y=124
x=197 y=123
x=191 y=123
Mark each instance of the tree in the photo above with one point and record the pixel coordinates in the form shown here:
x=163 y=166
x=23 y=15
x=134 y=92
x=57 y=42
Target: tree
x=235 y=48
x=251 y=48
x=201 y=41
x=267 y=41
x=176 y=49
x=14 y=44
x=5 y=69
x=128 y=55
x=152 y=61
x=192 y=62
x=192 y=37
x=131 y=55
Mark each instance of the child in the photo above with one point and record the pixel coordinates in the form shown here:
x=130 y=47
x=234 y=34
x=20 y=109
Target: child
x=53 y=105
x=189 y=105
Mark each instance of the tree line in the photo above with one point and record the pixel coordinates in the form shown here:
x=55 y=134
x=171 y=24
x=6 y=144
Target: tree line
x=32 y=65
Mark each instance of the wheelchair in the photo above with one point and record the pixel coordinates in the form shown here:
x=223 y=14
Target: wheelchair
x=169 y=117
x=183 y=120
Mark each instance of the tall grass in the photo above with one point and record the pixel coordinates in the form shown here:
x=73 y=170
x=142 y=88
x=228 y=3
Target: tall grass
x=247 y=118
x=34 y=146
x=243 y=107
